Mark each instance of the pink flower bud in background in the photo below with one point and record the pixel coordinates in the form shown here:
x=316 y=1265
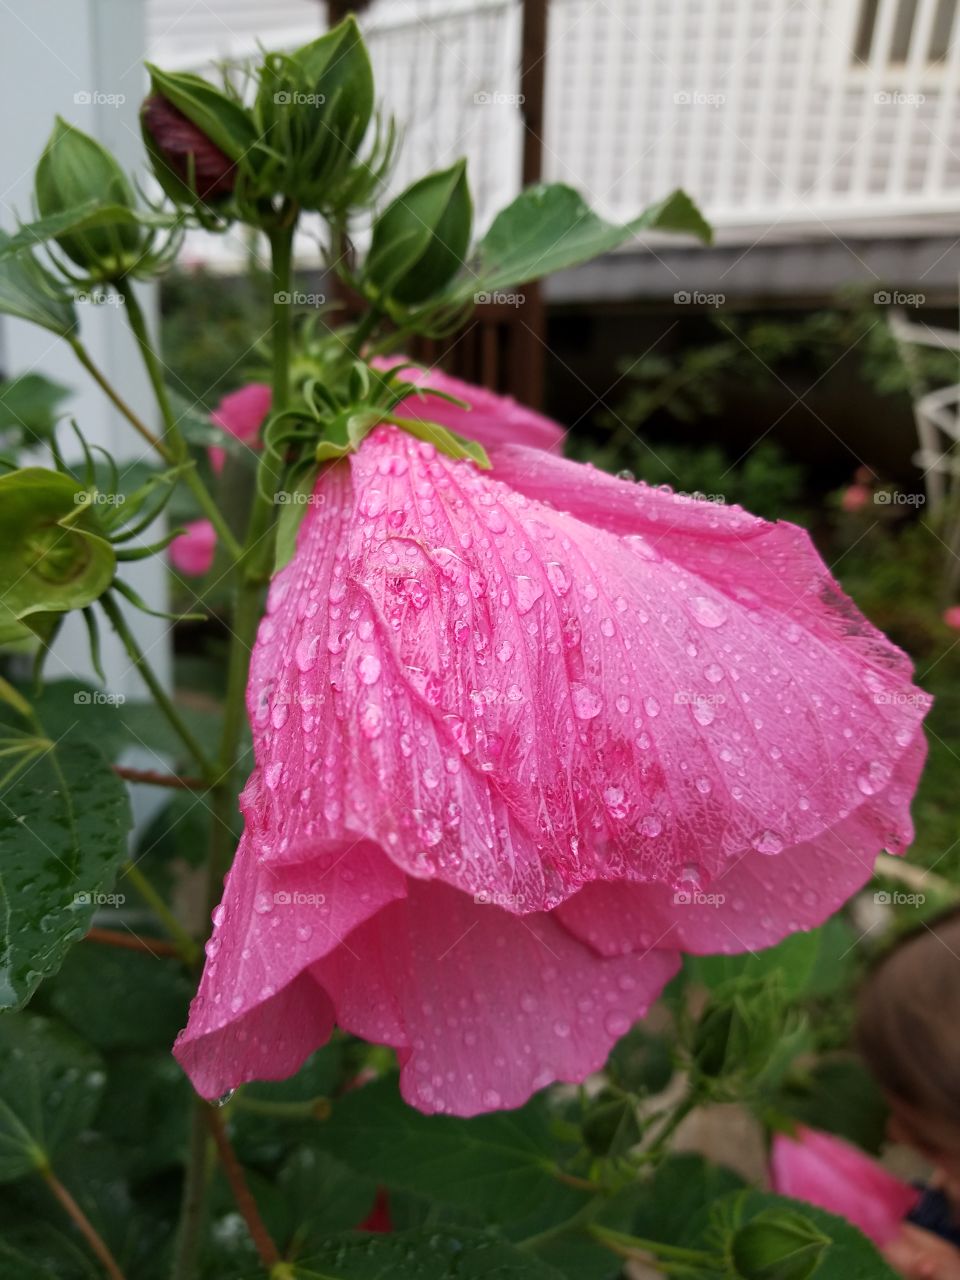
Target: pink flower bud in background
x=192 y=553
x=241 y=413
x=951 y=616
x=834 y=1175
x=855 y=497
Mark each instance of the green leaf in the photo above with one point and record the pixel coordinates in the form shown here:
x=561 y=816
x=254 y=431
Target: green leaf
x=445 y=440
x=429 y=1254
x=676 y=1206
x=293 y=504
x=420 y=240
x=795 y=958
x=222 y=119
x=839 y=1095
x=51 y=1084
x=52 y=555
x=549 y=228
x=496 y=1164
x=31 y=403
x=91 y=215
x=63 y=834
x=31 y=293
x=122 y=999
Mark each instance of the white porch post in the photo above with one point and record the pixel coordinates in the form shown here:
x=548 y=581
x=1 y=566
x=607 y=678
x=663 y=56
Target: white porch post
x=81 y=59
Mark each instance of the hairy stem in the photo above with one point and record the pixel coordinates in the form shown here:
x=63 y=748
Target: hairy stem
x=154 y=778
x=193 y=1204
x=82 y=1223
x=132 y=942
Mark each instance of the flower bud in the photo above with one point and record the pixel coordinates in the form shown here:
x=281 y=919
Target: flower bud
x=420 y=240
x=313 y=109
x=73 y=171
x=185 y=161
x=778 y=1244
x=196 y=136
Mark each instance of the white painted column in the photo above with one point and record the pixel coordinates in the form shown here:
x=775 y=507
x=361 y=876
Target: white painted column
x=82 y=59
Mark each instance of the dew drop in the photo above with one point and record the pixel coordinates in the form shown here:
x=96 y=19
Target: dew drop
x=369 y=668
x=587 y=703
x=709 y=613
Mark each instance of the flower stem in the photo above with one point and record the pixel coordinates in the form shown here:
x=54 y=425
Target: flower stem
x=251 y=572
x=153 y=778
x=193 y=1204
x=83 y=355
x=82 y=1223
x=160 y=696
x=627 y=1246
x=132 y=942
x=173 y=444
x=185 y=944
x=267 y=1251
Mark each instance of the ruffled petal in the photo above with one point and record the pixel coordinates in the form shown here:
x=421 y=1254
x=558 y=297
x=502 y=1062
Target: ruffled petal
x=756 y=900
x=241 y=413
x=492 y=419
x=484 y=1007
x=516 y=702
x=258 y=1013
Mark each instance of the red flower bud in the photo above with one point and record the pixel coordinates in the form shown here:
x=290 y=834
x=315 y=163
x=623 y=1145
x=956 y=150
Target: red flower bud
x=193 y=158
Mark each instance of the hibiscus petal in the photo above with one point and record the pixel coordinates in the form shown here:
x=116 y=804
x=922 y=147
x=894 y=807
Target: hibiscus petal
x=492 y=419
x=756 y=900
x=258 y=1014
x=484 y=1007
x=825 y=1171
x=511 y=700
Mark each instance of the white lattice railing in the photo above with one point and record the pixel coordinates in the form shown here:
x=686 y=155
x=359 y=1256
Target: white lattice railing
x=800 y=112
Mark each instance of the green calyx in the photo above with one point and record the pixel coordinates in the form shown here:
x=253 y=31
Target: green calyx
x=74 y=171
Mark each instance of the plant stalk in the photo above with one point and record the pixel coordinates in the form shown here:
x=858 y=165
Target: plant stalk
x=82 y=1223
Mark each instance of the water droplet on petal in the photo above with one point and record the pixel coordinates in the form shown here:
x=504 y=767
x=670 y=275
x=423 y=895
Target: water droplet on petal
x=769 y=842
x=587 y=703
x=709 y=613
x=369 y=668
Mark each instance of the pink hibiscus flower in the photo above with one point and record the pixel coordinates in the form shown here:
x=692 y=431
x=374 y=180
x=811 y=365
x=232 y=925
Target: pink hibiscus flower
x=951 y=616
x=522 y=737
x=832 y=1174
x=192 y=552
x=241 y=413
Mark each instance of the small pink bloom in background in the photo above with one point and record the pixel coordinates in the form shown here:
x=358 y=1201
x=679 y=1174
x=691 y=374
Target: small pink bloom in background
x=951 y=616
x=855 y=497
x=491 y=418
x=832 y=1174
x=523 y=737
x=241 y=413
x=192 y=552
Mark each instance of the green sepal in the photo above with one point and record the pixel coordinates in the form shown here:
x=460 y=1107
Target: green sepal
x=73 y=169
x=420 y=241
x=52 y=555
